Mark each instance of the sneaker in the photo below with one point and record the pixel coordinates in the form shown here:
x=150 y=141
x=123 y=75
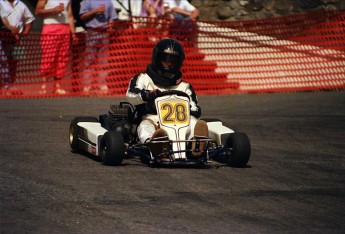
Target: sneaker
x=16 y=92
x=5 y=90
x=43 y=89
x=200 y=131
x=58 y=90
x=8 y=90
x=86 y=89
x=159 y=148
x=104 y=89
x=153 y=39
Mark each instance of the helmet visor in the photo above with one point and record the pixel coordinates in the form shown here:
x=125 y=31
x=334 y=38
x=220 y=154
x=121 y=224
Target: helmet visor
x=168 y=61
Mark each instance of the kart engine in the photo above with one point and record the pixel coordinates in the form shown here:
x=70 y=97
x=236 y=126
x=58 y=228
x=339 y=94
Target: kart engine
x=120 y=118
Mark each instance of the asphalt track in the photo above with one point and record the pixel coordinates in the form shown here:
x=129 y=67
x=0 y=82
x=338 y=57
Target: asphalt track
x=294 y=183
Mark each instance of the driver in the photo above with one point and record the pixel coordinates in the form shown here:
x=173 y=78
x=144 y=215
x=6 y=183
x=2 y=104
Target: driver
x=163 y=74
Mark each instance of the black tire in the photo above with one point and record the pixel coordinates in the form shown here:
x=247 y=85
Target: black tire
x=240 y=149
x=73 y=131
x=112 y=148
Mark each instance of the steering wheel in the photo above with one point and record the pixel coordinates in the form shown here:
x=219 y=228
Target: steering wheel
x=172 y=92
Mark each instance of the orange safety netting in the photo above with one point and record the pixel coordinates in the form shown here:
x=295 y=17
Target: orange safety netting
x=292 y=53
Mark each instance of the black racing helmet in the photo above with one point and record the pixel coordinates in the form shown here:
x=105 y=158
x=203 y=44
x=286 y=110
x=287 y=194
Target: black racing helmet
x=171 y=52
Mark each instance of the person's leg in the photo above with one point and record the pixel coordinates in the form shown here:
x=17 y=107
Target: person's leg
x=91 y=57
x=8 y=44
x=11 y=59
x=48 y=50
x=165 y=22
x=199 y=129
x=77 y=60
x=15 y=53
x=4 y=70
x=179 y=26
x=102 y=62
x=62 y=56
x=160 y=148
x=146 y=129
x=183 y=26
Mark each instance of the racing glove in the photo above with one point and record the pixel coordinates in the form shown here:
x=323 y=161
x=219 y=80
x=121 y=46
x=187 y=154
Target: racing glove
x=150 y=95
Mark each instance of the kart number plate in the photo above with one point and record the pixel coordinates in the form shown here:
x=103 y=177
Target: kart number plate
x=174 y=112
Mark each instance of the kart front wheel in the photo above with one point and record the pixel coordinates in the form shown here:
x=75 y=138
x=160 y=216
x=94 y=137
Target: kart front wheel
x=112 y=148
x=239 y=149
x=73 y=131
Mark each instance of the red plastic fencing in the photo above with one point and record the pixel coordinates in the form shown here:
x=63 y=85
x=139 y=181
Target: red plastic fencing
x=292 y=53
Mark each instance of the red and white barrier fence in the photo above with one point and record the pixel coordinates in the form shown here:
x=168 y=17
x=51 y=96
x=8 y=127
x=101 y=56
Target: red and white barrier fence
x=291 y=53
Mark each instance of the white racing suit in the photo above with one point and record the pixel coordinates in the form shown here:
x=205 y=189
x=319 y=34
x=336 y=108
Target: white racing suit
x=142 y=82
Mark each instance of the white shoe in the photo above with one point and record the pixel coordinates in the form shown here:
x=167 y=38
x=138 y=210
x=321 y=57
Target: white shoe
x=104 y=89
x=60 y=91
x=86 y=89
x=43 y=89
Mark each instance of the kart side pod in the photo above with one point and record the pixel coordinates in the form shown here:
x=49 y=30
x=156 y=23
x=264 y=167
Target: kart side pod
x=217 y=131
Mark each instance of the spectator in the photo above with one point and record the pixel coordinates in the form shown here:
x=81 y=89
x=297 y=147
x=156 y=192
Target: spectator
x=4 y=71
x=78 y=48
x=79 y=23
x=99 y=17
x=58 y=24
x=184 y=15
x=4 y=65
x=152 y=8
x=127 y=8
x=17 y=21
x=163 y=74
x=183 y=10
x=158 y=10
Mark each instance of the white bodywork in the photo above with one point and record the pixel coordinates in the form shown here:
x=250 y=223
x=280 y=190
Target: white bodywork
x=174 y=118
x=218 y=132
x=92 y=136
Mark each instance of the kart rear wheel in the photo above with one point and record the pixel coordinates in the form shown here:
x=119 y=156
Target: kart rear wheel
x=73 y=131
x=112 y=148
x=240 y=149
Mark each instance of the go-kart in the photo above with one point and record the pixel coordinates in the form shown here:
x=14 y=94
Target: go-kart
x=113 y=136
